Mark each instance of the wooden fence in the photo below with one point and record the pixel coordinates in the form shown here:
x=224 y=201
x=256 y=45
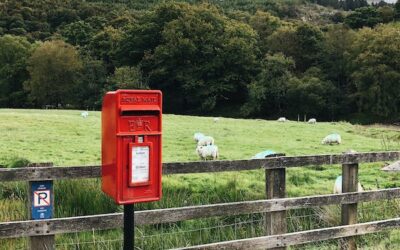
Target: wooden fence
x=274 y=206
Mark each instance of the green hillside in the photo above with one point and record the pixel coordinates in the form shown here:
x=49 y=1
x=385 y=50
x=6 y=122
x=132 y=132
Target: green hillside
x=65 y=138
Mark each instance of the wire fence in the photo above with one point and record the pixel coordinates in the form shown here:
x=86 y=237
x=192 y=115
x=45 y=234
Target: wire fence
x=210 y=230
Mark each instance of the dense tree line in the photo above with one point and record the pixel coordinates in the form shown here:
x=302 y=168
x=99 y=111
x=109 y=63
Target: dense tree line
x=234 y=58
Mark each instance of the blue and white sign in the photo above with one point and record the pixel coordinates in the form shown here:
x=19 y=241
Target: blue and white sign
x=42 y=206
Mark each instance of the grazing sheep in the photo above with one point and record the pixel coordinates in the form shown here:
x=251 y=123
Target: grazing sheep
x=312 y=121
x=282 y=119
x=206 y=140
x=332 y=139
x=85 y=114
x=216 y=119
x=207 y=152
x=337 y=189
x=197 y=136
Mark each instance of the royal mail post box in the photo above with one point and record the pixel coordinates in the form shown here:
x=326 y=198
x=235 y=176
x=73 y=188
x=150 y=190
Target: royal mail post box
x=131 y=145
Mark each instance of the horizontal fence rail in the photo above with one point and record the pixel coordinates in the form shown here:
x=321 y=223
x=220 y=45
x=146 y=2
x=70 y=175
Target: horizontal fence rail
x=302 y=237
x=170 y=215
x=54 y=173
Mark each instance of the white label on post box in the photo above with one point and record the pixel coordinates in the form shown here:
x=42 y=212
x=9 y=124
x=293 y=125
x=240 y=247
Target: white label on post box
x=140 y=164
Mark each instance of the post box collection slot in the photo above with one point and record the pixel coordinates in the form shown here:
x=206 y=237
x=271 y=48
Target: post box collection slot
x=140 y=113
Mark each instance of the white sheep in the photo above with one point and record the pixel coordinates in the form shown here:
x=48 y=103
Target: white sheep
x=207 y=152
x=216 y=119
x=332 y=139
x=337 y=189
x=197 y=136
x=282 y=119
x=85 y=114
x=312 y=121
x=206 y=140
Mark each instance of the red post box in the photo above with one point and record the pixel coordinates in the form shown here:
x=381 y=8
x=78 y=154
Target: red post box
x=131 y=145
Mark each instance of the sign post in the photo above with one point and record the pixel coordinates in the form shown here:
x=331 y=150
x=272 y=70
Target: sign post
x=129 y=227
x=41 y=206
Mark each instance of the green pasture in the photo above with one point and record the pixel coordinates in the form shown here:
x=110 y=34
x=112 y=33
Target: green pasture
x=67 y=139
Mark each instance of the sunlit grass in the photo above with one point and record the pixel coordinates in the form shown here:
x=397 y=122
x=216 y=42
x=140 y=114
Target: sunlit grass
x=65 y=138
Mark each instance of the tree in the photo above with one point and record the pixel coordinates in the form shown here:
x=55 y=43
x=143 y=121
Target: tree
x=267 y=93
x=363 y=17
x=376 y=71
x=92 y=81
x=311 y=95
x=203 y=59
x=145 y=35
x=353 y=4
x=397 y=10
x=54 y=70
x=265 y=24
x=127 y=78
x=387 y=13
x=77 y=33
x=14 y=52
x=303 y=43
x=103 y=45
x=336 y=65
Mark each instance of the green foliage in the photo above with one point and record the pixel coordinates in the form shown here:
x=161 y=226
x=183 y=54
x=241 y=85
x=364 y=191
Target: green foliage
x=303 y=43
x=397 y=10
x=14 y=52
x=363 y=17
x=311 y=95
x=336 y=64
x=17 y=162
x=376 y=72
x=264 y=24
x=343 y=4
x=54 y=68
x=203 y=56
x=102 y=45
x=267 y=93
x=77 y=33
x=387 y=13
x=127 y=78
x=92 y=81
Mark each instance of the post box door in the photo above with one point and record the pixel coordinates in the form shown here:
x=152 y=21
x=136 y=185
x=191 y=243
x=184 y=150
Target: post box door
x=139 y=164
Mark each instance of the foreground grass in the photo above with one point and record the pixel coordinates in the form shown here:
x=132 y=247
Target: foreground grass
x=65 y=138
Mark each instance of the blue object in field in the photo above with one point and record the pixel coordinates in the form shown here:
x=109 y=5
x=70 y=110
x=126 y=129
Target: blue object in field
x=264 y=154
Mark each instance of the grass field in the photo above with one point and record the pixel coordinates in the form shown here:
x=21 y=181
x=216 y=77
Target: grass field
x=65 y=138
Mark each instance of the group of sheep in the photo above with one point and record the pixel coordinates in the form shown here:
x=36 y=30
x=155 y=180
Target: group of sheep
x=329 y=139
x=206 y=148
x=310 y=121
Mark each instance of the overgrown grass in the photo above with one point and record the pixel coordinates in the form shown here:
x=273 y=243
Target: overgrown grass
x=65 y=138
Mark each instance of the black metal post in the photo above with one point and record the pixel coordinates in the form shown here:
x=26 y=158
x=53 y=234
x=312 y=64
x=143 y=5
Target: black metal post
x=129 y=227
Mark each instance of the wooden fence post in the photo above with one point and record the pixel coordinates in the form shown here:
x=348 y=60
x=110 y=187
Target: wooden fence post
x=275 y=222
x=44 y=242
x=349 y=211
